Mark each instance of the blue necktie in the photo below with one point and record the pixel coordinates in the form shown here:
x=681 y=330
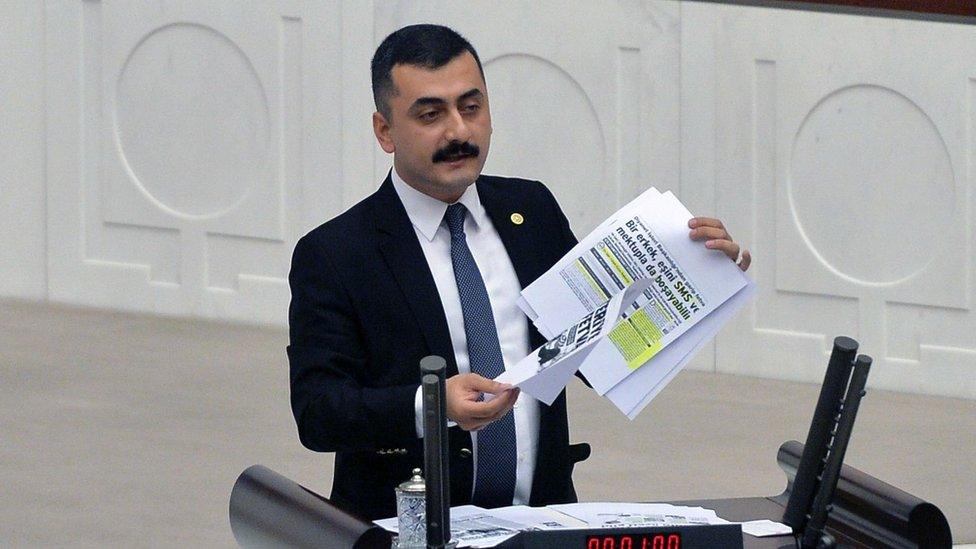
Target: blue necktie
x=495 y=474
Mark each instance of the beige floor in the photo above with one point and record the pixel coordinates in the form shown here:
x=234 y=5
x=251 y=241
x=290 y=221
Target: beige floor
x=125 y=431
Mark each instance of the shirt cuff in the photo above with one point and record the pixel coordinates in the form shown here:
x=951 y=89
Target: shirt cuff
x=418 y=413
x=418 y=408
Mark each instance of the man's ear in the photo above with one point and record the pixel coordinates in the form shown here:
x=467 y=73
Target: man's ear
x=382 y=130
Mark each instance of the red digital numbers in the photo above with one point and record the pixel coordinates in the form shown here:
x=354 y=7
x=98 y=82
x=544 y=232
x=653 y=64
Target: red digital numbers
x=658 y=541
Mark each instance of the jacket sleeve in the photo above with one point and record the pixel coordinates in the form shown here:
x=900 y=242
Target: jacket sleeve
x=335 y=407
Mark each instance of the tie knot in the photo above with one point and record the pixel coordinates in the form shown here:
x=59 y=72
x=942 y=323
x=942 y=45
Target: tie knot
x=455 y=218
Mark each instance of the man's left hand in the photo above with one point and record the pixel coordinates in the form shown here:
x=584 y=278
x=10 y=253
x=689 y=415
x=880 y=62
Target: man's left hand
x=713 y=232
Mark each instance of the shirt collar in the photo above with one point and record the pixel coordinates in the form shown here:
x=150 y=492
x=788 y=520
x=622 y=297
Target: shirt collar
x=426 y=213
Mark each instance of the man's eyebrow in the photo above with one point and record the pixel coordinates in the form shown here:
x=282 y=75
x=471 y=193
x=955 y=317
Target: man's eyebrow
x=473 y=93
x=426 y=102
x=470 y=94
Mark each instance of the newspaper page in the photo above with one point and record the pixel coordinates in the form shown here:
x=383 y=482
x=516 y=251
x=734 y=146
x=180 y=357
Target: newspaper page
x=545 y=372
x=683 y=285
x=629 y=515
x=634 y=393
x=473 y=526
x=649 y=241
x=537 y=292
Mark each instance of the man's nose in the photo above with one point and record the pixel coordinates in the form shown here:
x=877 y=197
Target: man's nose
x=457 y=127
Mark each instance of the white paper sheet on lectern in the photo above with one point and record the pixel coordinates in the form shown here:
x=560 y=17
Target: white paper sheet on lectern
x=624 y=515
x=473 y=526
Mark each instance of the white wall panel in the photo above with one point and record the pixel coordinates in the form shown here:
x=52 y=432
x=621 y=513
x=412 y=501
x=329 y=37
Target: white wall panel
x=22 y=210
x=360 y=173
x=179 y=153
x=164 y=157
x=842 y=151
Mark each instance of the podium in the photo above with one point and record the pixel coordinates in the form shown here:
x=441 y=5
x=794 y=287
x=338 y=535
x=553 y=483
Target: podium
x=825 y=502
x=268 y=510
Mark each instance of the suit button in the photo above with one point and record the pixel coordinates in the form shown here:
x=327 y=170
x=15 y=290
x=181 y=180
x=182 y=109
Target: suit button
x=465 y=452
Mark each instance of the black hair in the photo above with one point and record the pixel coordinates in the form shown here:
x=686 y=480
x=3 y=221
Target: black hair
x=428 y=46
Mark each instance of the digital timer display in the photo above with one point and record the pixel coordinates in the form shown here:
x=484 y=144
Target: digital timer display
x=634 y=541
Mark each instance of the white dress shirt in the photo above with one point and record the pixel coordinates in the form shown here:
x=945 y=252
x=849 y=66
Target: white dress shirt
x=427 y=216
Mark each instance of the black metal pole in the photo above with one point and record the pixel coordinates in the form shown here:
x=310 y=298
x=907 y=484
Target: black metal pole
x=821 y=507
x=436 y=473
x=824 y=418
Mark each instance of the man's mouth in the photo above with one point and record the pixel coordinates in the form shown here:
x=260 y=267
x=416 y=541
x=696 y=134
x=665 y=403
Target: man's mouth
x=456 y=157
x=456 y=152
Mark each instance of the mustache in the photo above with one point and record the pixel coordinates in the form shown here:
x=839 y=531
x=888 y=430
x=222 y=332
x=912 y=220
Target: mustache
x=456 y=150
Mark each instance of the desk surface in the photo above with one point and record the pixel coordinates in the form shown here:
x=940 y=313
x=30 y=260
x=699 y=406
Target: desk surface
x=745 y=509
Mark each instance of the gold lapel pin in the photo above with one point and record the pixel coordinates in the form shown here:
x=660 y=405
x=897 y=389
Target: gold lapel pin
x=517 y=218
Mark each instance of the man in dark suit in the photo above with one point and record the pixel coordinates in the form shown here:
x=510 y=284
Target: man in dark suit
x=431 y=264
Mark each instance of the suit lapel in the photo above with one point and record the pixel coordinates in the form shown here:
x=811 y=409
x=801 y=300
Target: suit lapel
x=407 y=265
x=517 y=238
x=520 y=239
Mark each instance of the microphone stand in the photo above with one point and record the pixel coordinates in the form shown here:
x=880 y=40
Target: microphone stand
x=438 y=515
x=814 y=535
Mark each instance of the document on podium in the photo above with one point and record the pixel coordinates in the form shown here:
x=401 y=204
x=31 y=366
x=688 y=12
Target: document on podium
x=685 y=293
x=473 y=526
x=629 y=515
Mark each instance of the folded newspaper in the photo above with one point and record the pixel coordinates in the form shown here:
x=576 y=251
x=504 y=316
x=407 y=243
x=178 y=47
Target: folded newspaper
x=628 y=306
x=473 y=526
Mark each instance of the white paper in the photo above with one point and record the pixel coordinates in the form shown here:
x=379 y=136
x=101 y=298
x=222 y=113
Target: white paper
x=765 y=528
x=626 y=515
x=545 y=372
x=634 y=393
x=692 y=292
x=392 y=524
x=548 y=285
x=471 y=526
x=707 y=279
x=537 y=518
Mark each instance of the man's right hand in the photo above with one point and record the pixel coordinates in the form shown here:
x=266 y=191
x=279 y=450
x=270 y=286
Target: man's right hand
x=464 y=406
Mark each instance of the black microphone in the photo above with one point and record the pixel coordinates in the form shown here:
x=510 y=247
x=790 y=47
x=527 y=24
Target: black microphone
x=433 y=379
x=815 y=450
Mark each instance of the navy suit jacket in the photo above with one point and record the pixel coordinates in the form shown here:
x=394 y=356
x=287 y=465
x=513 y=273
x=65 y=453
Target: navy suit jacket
x=365 y=310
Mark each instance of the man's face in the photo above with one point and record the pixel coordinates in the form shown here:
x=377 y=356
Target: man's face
x=439 y=128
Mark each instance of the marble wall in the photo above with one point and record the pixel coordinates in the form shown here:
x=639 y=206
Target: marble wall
x=164 y=157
